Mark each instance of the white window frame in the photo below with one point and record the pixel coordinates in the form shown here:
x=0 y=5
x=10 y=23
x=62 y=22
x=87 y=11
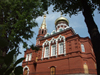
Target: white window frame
x=45 y=52
x=28 y=57
x=59 y=48
x=82 y=48
x=52 y=50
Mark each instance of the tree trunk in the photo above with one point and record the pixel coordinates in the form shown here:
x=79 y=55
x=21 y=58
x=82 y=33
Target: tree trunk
x=93 y=31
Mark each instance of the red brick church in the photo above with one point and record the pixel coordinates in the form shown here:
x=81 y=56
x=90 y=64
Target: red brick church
x=63 y=52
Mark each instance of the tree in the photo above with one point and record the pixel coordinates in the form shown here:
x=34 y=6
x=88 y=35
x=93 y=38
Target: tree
x=17 y=18
x=73 y=7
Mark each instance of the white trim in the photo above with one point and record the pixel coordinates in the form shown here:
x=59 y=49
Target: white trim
x=52 y=32
x=61 y=24
x=42 y=51
x=59 y=48
x=27 y=68
x=30 y=56
x=46 y=35
x=55 y=49
x=27 y=56
x=49 y=48
x=64 y=46
x=45 y=51
x=58 y=30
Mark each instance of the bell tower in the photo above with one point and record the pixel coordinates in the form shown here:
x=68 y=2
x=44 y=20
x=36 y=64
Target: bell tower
x=42 y=31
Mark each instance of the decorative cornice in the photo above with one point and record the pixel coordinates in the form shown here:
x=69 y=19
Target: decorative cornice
x=59 y=33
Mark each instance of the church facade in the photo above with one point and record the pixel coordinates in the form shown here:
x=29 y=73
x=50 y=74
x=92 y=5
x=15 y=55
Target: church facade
x=63 y=52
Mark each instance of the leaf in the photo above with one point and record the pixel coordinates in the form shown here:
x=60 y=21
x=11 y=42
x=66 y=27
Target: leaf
x=24 y=45
x=18 y=61
x=9 y=71
x=9 y=57
x=18 y=70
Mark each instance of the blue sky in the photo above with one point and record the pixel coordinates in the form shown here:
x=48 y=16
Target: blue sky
x=76 y=22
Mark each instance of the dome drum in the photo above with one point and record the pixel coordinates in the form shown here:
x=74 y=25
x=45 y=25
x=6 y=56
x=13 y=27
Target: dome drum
x=61 y=20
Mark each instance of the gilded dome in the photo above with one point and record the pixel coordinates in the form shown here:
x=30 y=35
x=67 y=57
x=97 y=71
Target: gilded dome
x=61 y=19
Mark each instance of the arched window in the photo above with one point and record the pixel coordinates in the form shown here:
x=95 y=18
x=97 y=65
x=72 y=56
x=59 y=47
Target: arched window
x=85 y=68
x=53 y=71
x=82 y=48
x=61 y=48
x=46 y=52
x=42 y=31
x=53 y=50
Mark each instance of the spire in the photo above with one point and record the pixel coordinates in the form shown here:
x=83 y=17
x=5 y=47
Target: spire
x=43 y=25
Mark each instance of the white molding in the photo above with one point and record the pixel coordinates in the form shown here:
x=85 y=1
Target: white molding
x=64 y=46
x=59 y=48
x=53 y=31
x=47 y=34
x=44 y=52
x=56 y=46
x=27 y=68
x=50 y=47
x=51 y=50
x=61 y=24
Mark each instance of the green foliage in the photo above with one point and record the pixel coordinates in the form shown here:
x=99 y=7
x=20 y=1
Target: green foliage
x=18 y=70
x=73 y=7
x=34 y=47
x=8 y=64
x=17 y=18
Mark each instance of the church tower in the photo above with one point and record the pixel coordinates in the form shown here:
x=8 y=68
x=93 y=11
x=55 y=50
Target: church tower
x=42 y=31
x=62 y=52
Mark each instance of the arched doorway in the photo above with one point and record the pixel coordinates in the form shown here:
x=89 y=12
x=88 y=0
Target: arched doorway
x=52 y=70
x=25 y=71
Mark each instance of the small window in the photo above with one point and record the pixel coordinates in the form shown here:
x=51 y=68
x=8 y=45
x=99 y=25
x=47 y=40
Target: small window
x=46 y=52
x=82 y=48
x=53 y=50
x=61 y=48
